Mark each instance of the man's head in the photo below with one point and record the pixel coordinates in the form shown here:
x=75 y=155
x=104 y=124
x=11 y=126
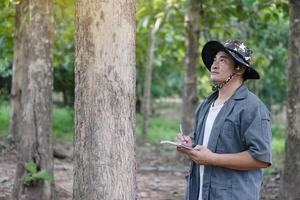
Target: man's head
x=223 y=67
x=225 y=60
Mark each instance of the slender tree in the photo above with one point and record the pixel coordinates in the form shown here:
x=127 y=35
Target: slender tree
x=34 y=128
x=291 y=177
x=105 y=100
x=189 y=98
x=146 y=108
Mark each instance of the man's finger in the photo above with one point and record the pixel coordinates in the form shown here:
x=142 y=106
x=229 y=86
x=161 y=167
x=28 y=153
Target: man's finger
x=198 y=147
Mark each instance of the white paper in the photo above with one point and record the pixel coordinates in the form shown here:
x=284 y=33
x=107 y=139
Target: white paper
x=176 y=144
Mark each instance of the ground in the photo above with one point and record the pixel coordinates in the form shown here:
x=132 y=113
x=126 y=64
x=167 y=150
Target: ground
x=160 y=174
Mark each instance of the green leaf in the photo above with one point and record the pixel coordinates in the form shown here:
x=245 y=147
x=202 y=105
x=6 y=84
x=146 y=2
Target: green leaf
x=248 y=3
x=60 y=3
x=27 y=179
x=157 y=24
x=15 y=2
x=30 y=167
x=6 y=3
x=42 y=175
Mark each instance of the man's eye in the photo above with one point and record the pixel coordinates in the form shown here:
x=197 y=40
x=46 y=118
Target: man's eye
x=222 y=60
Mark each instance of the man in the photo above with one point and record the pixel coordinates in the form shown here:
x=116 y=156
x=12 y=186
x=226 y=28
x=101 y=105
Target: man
x=232 y=130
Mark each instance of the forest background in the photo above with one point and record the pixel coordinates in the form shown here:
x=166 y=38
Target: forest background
x=160 y=30
x=263 y=25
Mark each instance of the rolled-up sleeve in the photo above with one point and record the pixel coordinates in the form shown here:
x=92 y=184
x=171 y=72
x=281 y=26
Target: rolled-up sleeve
x=258 y=135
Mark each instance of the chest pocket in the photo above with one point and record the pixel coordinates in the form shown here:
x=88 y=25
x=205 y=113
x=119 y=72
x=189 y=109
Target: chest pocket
x=228 y=128
x=227 y=137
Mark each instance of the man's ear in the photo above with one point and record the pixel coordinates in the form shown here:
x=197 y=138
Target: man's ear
x=239 y=70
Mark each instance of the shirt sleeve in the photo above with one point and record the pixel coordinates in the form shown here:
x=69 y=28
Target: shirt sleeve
x=258 y=135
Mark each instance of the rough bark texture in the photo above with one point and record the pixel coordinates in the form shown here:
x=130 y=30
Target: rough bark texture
x=36 y=100
x=189 y=99
x=20 y=59
x=105 y=100
x=291 y=176
x=146 y=109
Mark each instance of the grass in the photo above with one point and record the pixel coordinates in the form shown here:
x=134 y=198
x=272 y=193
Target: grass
x=62 y=122
x=278 y=145
x=4 y=118
x=159 y=129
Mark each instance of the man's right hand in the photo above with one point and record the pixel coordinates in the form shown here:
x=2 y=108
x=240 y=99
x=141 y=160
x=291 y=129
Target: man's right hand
x=182 y=139
x=186 y=140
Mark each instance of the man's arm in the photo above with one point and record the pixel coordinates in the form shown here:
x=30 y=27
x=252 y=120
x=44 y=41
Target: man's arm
x=238 y=161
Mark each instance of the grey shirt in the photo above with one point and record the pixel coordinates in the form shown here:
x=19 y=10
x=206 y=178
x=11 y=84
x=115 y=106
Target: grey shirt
x=243 y=124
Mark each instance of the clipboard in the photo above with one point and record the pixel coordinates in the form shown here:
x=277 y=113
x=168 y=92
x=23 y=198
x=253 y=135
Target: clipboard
x=177 y=144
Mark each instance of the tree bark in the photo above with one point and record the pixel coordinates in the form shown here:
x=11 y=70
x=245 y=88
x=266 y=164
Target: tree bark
x=291 y=178
x=105 y=100
x=146 y=109
x=190 y=99
x=36 y=102
x=20 y=60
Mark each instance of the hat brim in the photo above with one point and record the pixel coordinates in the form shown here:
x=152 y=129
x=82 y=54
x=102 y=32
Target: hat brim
x=210 y=50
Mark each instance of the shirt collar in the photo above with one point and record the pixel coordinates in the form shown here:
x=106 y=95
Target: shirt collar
x=240 y=93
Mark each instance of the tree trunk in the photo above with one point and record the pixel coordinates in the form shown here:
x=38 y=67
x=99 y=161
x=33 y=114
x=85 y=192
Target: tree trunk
x=20 y=60
x=105 y=100
x=190 y=99
x=36 y=100
x=146 y=109
x=291 y=177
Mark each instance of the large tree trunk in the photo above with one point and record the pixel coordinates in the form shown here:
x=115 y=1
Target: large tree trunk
x=146 y=109
x=291 y=176
x=105 y=100
x=36 y=100
x=189 y=99
x=20 y=60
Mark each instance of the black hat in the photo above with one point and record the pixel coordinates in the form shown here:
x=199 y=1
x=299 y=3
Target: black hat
x=238 y=51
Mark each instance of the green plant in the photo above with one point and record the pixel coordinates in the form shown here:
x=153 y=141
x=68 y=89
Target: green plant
x=62 y=123
x=4 y=118
x=32 y=174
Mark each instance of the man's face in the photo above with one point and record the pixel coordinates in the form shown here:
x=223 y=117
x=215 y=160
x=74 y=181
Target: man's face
x=222 y=67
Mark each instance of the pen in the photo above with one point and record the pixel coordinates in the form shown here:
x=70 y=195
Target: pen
x=180 y=127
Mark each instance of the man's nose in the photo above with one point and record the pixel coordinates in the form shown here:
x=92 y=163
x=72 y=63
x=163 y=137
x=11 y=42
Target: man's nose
x=215 y=64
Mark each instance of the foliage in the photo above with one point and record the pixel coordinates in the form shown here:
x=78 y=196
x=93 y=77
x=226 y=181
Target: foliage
x=64 y=50
x=169 y=50
x=32 y=174
x=278 y=146
x=159 y=129
x=62 y=123
x=4 y=118
x=7 y=13
x=262 y=24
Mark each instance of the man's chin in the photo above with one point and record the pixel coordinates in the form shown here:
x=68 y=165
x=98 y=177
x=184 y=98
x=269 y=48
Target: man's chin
x=215 y=81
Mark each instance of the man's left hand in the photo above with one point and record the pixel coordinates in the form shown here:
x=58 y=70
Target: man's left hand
x=201 y=155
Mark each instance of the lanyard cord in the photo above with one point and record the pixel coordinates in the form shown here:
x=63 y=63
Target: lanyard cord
x=216 y=86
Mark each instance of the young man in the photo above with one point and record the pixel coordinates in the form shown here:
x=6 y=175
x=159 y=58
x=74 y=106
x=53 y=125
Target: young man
x=232 y=130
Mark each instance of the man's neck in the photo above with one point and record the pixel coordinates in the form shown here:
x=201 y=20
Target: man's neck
x=227 y=91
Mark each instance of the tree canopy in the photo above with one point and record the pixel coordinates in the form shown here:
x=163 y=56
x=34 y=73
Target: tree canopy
x=263 y=25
